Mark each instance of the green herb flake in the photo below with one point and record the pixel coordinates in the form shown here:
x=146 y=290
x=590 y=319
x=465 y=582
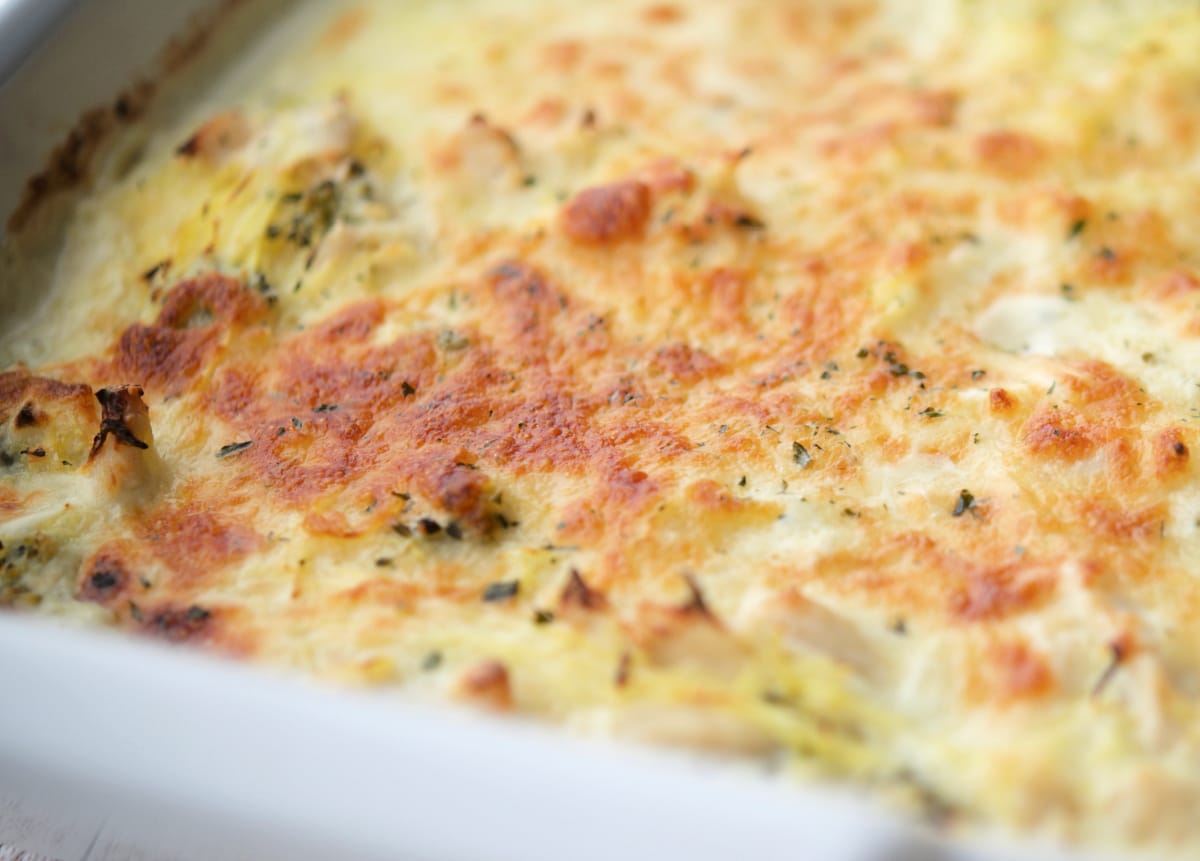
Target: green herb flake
x=452 y=341
x=195 y=614
x=964 y=503
x=234 y=448
x=504 y=590
x=431 y=661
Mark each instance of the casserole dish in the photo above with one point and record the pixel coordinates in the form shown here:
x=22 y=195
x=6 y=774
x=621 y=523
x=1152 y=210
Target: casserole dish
x=282 y=770
x=111 y=748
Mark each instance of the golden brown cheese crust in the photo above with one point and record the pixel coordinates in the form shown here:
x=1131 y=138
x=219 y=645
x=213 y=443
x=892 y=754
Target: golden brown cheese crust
x=689 y=373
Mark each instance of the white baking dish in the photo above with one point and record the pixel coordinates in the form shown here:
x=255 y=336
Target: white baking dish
x=121 y=743
x=217 y=761
x=23 y=26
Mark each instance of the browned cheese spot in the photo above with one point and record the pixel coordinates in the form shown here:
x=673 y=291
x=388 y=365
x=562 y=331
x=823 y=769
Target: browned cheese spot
x=608 y=214
x=487 y=684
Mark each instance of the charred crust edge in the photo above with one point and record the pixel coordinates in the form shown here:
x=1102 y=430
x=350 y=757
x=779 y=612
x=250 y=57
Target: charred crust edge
x=70 y=163
x=115 y=403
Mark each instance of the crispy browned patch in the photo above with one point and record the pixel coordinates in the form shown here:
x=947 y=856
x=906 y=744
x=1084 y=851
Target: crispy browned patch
x=177 y=624
x=1114 y=395
x=10 y=502
x=1171 y=453
x=335 y=524
x=226 y=629
x=487 y=684
x=21 y=390
x=710 y=495
x=821 y=316
x=608 y=213
x=1062 y=434
x=621 y=494
x=1134 y=529
x=195 y=543
x=528 y=302
x=937 y=108
x=1103 y=408
x=1110 y=266
x=663 y=13
x=105 y=577
x=686 y=363
x=1012 y=671
x=995 y=591
x=161 y=358
x=1176 y=283
x=1010 y=153
x=1050 y=209
x=167 y=354
x=725 y=291
x=563 y=55
x=27 y=416
x=1001 y=401
x=458 y=490
x=209 y=299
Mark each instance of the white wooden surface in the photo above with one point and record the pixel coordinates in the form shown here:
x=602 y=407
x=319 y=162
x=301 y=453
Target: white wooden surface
x=25 y=828
x=28 y=834
x=11 y=853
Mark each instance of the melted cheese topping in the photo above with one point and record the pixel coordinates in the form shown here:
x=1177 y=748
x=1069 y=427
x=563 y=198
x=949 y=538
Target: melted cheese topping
x=807 y=378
